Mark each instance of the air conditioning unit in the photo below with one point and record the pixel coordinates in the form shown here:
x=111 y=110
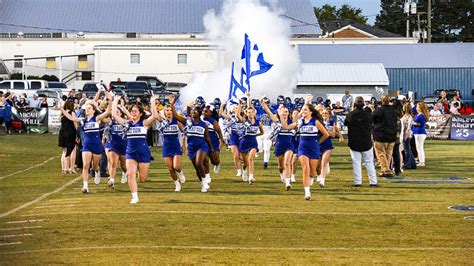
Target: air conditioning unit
x=131 y=35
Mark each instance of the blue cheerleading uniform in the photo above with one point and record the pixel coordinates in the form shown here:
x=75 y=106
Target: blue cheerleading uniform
x=92 y=142
x=249 y=138
x=196 y=139
x=327 y=144
x=212 y=133
x=284 y=141
x=171 y=143
x=235 y=132
x=309 y=139
x=137 y=146
x=116 y=141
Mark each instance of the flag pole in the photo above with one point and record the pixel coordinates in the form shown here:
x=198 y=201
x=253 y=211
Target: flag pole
x=231 y=83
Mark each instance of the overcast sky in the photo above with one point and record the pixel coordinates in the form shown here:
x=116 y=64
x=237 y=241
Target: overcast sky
x=369 y=8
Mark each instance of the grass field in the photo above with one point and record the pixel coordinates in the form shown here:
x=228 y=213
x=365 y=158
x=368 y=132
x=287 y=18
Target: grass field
x=45 y=219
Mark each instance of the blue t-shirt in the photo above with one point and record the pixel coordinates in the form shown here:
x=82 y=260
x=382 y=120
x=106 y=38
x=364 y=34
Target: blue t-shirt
x=417 y=130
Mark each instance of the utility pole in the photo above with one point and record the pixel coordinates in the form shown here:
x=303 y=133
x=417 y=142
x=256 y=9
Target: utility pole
x=429 y=20
x=409 y=7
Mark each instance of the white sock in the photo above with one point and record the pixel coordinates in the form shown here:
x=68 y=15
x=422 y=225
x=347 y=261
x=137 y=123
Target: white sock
x=307 y=190
x=176 y=182
x=208 y=176
x=85 y=184
x=112 y=179
x=287 y=181
x=250 y=176
x=239 y=171
x=134 y=195
x=181 y=173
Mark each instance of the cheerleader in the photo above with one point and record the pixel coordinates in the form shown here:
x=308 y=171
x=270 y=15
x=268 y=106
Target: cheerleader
x=234 y=137
x=92 y=147
x=248 y=145
x=171 y=152
x=264 y=143
x=284 y=141
x=137 y=155
x=199 y=145
x=326 y=146
x=308 y=148
x=211 y=118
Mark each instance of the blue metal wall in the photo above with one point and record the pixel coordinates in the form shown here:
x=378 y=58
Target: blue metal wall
x=424 y=81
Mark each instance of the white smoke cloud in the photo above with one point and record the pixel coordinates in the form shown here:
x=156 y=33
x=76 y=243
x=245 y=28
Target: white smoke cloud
x=268 y=30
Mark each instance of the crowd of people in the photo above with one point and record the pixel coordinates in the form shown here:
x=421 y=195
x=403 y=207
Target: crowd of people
x=101 y=134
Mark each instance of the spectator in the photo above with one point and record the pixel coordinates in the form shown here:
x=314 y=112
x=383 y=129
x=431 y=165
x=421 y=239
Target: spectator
x=5 y=111
x=359 y=125
x=35 y=102
x=405 y=137
x=466 y=109
x=419 y=131
x=454 y=108
x=347 y=100
x=456 y=100
x=436 y=110
x=22 y=103
x=338 y=111
x=44 y=102
x=444 y=101
x=400 y=96
x=67 y=139
x=385 y=121
x=83 y=99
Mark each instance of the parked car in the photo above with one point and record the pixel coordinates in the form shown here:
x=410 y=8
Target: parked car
x=55 y=85
x=90 y=89
x=117 y=84
x=53 y=97
x=430 y=100
x=163 y=89
x=17 y=86
x=37 y=84
x=134 y=89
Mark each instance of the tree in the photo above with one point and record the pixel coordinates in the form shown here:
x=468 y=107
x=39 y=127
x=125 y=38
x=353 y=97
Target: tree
x=451 y=21
x=328 y=12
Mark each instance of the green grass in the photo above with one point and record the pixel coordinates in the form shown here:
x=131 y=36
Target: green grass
x=235 y=222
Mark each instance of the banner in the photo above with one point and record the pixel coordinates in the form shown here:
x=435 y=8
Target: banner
x=36 y=120
x=462 y=127
x=54 y=120
x=438 y=127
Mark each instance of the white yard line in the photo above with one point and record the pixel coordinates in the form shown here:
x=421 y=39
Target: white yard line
x=382 y=249
x=53 y=206
x=20 y=228
x=40 y=197
x=10 y=243
x=9 y=236
x=27 y=169
x=27 y=221
x=105 y=212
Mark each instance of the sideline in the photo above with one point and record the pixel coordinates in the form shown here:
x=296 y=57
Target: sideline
x=40 y=197
x=29 y=168
x=242 y=248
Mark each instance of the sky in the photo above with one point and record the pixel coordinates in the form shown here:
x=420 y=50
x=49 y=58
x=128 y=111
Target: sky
x=369 y=8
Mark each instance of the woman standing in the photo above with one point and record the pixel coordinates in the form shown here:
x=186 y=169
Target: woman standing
x=248 y=145
x=326 y=146
x=308 y=150
x=405 y=137
x=284 y=142
x=92 y=147
x=419 y=131
x=138 y=153
x=199 y=145
x=67 y=138
x=172 y=150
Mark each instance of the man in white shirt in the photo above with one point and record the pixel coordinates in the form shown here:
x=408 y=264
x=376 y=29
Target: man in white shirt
x=35 y=102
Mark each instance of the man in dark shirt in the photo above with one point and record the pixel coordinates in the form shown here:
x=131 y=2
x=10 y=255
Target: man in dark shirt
x=386 y=122
x=359 y=126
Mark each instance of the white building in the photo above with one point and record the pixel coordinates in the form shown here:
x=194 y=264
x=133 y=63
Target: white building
x=81 y=41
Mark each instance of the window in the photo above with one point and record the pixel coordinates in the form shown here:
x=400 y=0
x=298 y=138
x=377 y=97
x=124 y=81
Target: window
x=134 y=58
x=5 y=85
x=36 y=85
x=50 y=63
x=18 y=62
x=82 y=62
x=18 y=85
x=131 y=35
x=87 y=75
x=182 y=59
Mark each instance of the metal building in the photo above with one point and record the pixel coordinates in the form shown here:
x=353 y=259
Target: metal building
x=422 y=68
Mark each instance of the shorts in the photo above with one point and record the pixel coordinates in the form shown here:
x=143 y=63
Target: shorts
x=282 y=147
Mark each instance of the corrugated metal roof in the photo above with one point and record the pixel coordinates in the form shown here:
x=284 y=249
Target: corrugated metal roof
x=439 y=55
x=343 y=74
x=142 y=16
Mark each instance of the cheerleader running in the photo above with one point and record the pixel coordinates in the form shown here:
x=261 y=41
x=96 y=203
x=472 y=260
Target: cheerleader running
x=199 y=146
x=115 y=148
x=211 y=118
x=284 y=142
x=326 y=146
x=172 y=149
x=138 y=153
x=92 y=147
x=264 y=143
x=234 y=137
x=308 y=148
x=248 y=145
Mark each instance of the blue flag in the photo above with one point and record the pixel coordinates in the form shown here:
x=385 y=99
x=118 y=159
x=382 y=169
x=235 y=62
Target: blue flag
x=246 y=54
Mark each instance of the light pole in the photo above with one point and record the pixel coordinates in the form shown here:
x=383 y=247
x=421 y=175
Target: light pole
x=409 y=8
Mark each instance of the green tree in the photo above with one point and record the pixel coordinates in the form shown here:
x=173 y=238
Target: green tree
x=329 y=12
x=451 y=21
